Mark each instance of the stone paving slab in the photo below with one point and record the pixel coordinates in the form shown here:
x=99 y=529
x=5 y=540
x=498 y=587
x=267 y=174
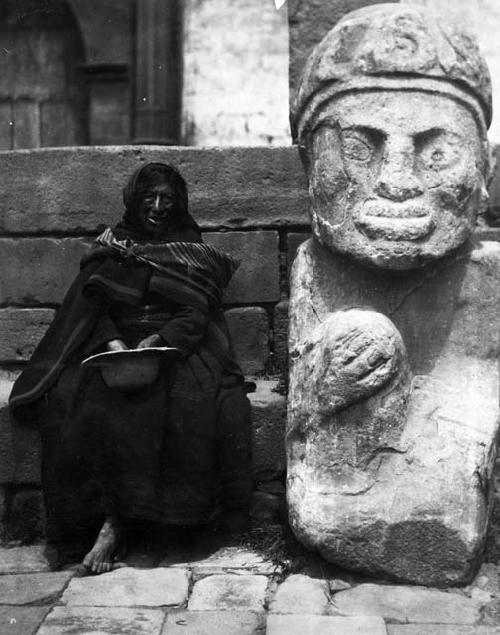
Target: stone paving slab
x=214 y=623
x=91 y=620
x=229 y=592
x=324 y=625
x=21 y=620
x=130 y=587
x=440 y=629
x=23 y=560
x=228 y=560
x=301 y=594
x=405 y=604
x=31 y=588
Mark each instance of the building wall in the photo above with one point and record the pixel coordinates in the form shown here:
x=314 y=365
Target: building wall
x=42 y=95
x=481 y=17
x=235 y=73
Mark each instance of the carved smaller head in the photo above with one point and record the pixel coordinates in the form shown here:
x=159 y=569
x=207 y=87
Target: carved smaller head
x=391 y=116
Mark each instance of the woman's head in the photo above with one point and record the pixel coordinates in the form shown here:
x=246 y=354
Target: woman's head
x=156 y=202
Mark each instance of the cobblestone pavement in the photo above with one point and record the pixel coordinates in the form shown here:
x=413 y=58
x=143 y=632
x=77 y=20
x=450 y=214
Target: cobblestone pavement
x=232 y=590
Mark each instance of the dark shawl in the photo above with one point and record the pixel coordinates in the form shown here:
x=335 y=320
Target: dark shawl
x=178 y=267
x=190 y=274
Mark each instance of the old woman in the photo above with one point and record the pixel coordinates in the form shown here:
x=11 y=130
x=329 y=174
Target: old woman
x=174 y=451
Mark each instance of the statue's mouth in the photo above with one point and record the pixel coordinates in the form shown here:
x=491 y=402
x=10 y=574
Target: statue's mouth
x=394 y=221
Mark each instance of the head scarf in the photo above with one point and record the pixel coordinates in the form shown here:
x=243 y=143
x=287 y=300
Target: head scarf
x=181 y=228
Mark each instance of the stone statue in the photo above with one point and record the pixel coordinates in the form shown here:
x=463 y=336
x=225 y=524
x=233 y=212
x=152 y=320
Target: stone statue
x=394 y=338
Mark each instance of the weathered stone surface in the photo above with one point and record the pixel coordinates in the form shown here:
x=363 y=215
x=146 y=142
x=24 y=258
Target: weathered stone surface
x=130 y=587
x=38 y=270
x=26 y=521
x=396 y=216
x=267 y=509
x=249 y=330
x=21 y=620
x=280 y=336
x=393 y=407
x=21 y=330
x=229 y=593
x=268 y=441
x=301 y=594
x=324 y=625
x=405 y=604
x=255 y=52
x=213 y=622
x=73 y=620
x=229 y=560
x=308 y=23
x=23 y=560
x=19 y=445
x=3 y=510
x=257 y=278
x=233 y=187
x=440 y=629
x=31 y=588
x=456 y=381
x=293 y=242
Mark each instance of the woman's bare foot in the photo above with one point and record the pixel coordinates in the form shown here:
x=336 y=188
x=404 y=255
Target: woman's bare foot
x=101 y=558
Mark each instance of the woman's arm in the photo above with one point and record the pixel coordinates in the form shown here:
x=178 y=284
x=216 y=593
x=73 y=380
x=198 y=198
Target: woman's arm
x=184 y=331
x=106 y=334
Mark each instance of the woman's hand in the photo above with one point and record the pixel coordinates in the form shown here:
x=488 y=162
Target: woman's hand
x=151 y=341
x=116 y=345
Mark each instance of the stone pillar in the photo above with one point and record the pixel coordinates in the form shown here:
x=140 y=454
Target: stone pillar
x=394 y=340
x=157 y=100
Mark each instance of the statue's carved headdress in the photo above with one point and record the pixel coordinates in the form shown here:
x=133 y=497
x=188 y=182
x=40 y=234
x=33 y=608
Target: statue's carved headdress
x=394 y=46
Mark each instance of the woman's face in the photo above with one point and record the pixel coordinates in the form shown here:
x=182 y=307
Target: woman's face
x=156 y=208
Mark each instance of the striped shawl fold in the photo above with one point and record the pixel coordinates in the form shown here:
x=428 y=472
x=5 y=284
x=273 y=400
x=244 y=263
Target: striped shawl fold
x=187 y=273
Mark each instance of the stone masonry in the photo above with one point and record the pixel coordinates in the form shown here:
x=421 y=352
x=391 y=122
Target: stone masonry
x=251 y=202
x=228 y=591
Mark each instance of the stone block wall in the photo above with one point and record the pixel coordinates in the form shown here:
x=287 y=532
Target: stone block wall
x=250 y=202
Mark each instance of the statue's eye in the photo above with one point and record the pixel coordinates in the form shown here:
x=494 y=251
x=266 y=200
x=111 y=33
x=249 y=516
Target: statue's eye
x=437 y=150
x=356 y=146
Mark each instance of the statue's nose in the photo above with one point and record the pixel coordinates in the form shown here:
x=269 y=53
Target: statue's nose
x=397 y=179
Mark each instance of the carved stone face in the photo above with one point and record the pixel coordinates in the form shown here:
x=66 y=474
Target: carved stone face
x=396 y=177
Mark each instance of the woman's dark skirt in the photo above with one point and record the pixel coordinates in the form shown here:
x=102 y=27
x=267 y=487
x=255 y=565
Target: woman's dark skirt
x=176 y=452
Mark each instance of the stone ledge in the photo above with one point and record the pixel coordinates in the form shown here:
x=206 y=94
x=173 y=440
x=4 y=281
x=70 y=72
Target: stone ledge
x=21 y=330
x=214 y=623
x=21 y=620
x=40 y=270
x=23 y=560
x=324 y=625
x=249 y=330
x=268 y=439
x=130 y=587
x=20 y=445
x=108 y=620
x=31 y=588
x=75 y=189
x=228 y=592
